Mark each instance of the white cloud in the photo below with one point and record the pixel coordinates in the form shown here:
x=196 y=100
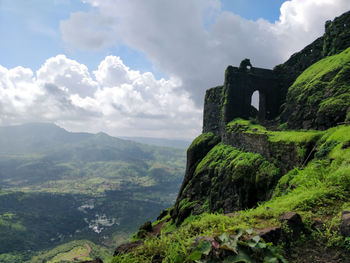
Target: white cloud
x=176 y=37
x=191 y=41
x=119 y=100
x=68 y=75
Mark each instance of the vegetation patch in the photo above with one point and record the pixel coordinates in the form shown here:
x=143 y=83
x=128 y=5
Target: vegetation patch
x=320 y=96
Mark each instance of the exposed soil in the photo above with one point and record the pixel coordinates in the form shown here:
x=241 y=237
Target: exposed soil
x=309 y=252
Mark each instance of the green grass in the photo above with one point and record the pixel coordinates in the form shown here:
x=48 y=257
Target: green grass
x=294 y=136
x=79 y=249
x=322 y=90
x=77 y=253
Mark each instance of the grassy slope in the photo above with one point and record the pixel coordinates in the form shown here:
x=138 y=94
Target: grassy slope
x=79 y=250
x=320 y=190
x=323 y=90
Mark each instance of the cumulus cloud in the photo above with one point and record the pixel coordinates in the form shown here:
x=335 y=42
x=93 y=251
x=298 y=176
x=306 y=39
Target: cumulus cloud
x=192 y=42
x=115 y=99
x=68 y=75
x=196 y=40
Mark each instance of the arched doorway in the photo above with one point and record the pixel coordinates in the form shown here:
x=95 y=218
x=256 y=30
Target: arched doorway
x=258 y=102
x=255 y=100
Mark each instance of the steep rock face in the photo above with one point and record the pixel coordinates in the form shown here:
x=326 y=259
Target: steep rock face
x=196 y=152
x=337 y=36
x=238 y=169
x=335 y=39
x=225 y=180
x=319 y=98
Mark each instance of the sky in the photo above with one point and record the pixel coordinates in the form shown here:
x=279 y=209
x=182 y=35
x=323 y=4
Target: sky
x=139 y=68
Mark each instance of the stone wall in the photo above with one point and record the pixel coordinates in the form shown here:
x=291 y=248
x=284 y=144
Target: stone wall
x=212 y=114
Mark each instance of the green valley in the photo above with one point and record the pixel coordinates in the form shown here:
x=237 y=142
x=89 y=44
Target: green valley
x=57 y=187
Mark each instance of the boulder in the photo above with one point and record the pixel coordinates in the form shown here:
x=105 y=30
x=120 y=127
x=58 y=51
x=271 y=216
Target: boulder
x=345 y=224
x=145 y=229
x=270 y=234
x=292 y=220
x=147 y=226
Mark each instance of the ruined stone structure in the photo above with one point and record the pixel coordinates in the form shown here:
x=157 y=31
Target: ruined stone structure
x=233 y=99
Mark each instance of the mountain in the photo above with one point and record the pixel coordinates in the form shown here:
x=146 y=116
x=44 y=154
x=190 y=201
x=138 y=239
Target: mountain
x=57 y=186
x=36 y=138
x=266 y=185
x=182 y=144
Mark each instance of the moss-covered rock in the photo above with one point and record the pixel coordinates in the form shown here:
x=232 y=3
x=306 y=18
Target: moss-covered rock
x=286 y=149
x=226 y=179
x=195 y=153
x=320 y=97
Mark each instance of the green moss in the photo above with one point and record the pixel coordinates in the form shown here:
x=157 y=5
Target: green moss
x=322 y=91
x=246 y=126
x=226 y=165
x=294 y=136
x=204 y=139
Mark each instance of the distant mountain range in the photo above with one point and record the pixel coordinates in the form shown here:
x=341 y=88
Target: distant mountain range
x=176 y=143
x=40 y=137
x=57 y=186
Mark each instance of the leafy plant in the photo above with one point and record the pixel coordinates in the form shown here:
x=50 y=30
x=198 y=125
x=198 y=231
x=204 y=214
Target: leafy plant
x=242 y=247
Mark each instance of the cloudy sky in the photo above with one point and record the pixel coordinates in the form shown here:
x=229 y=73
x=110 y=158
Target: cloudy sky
x=139 y=67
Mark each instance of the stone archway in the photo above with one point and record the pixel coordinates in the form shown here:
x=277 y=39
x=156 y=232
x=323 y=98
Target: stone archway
x=258 y=101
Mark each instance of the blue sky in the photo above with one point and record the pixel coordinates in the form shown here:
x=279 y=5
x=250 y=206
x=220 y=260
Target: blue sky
x=140 y=67
x=30 y=30
x=254 y=9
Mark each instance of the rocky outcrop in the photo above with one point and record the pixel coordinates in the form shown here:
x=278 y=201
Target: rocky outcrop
x=335 y=40
x=226 y=179
x=319 y=98
x=337 y=36
x=127 y=248
x=196 y=152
